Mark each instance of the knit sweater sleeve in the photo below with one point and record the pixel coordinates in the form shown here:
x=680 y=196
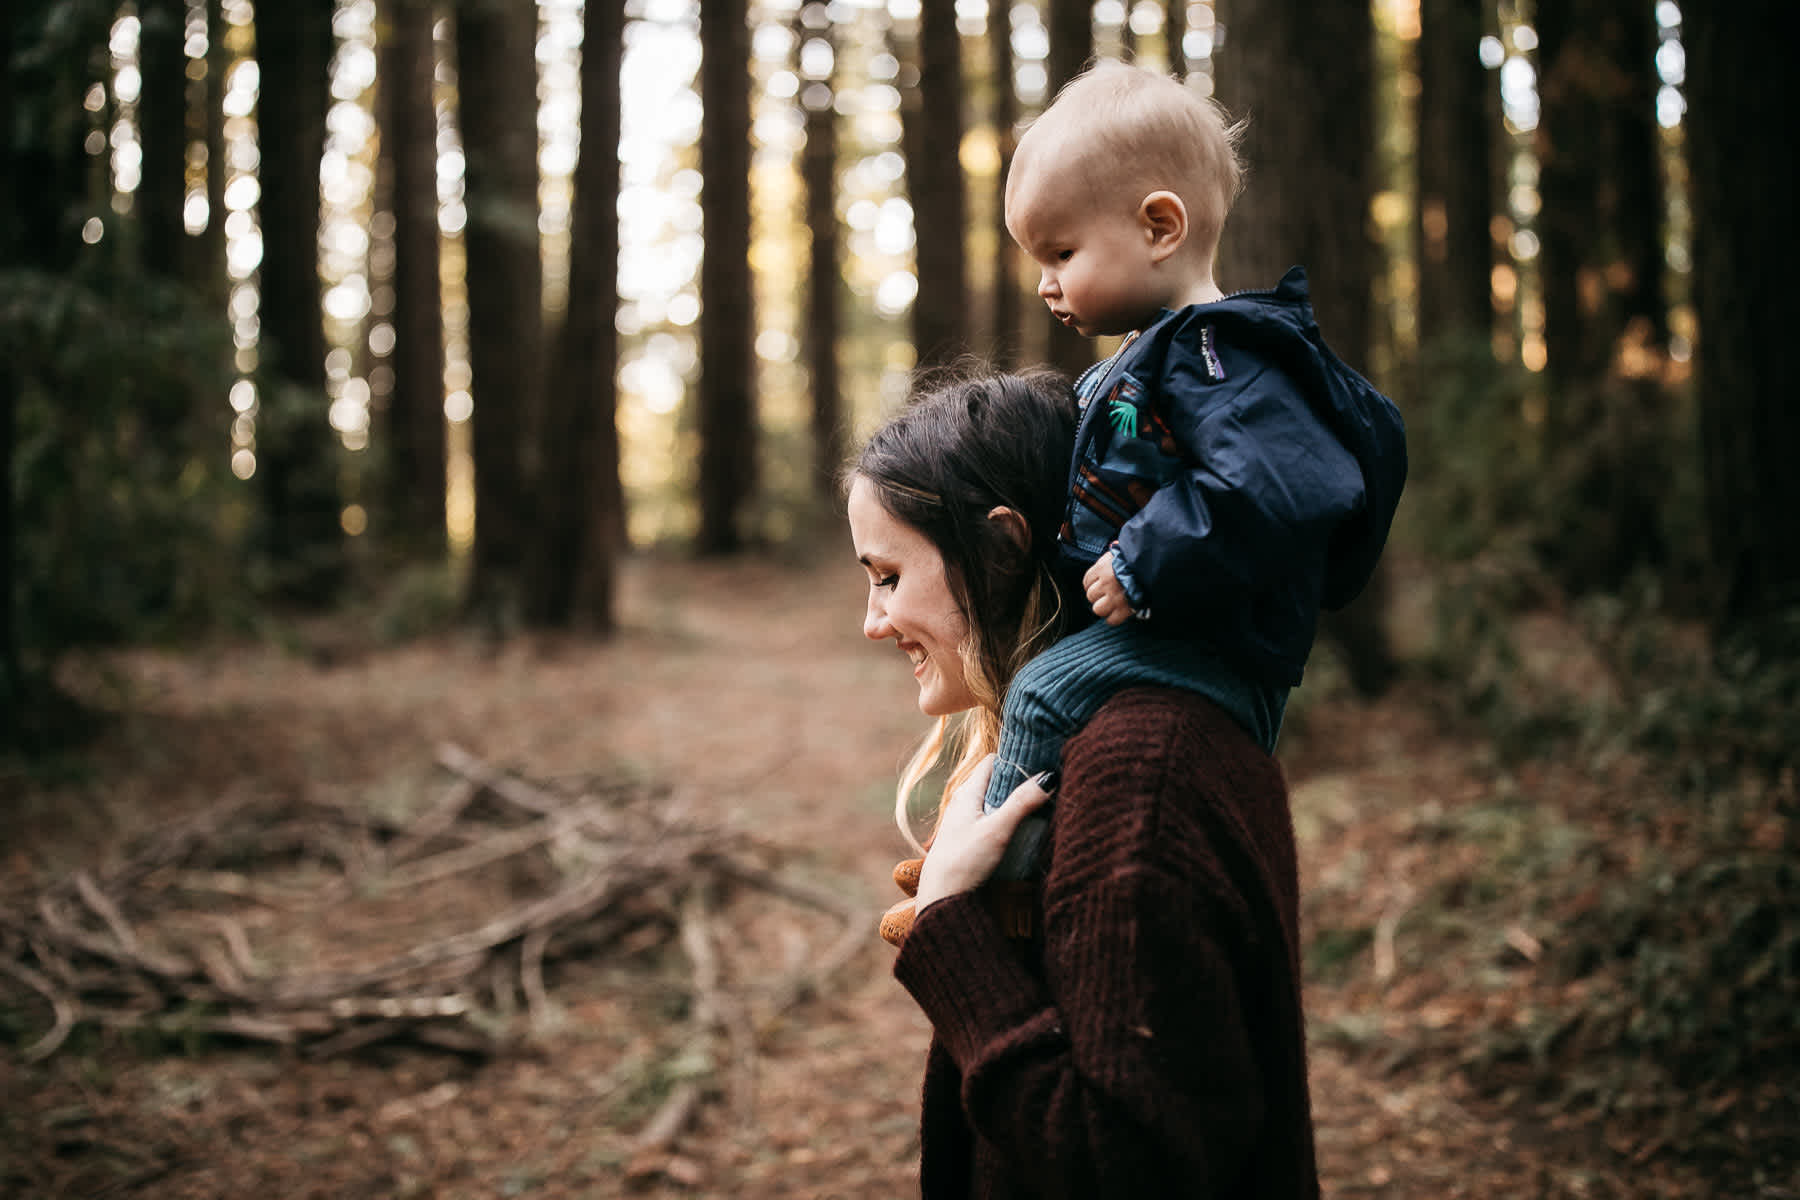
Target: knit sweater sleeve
x=1126 y=1067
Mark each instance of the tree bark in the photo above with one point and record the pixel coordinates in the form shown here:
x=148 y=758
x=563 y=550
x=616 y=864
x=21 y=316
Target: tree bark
x=934 y=176
x=1571 y=166
x=497 y=82
x=1175 y=25
x=1455 y=176
x=1639 y=200
x=1007 y=305
x=727 y=408
x=580 y=501
x=46 y=65
x=162 y=121
x=1740 y=119
x=1304 y=76
x=414 y=436
x=209 y=272
x=294 y=458
x=818 y=172
x=1071 y=24
x=1601 y=270
x=12 y=671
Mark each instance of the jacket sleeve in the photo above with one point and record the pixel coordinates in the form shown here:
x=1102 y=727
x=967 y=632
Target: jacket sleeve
x=1126 y=1070
x=1269 y=485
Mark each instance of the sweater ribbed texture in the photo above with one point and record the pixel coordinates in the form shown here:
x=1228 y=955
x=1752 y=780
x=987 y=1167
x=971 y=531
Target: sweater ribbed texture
x=1150 y=1041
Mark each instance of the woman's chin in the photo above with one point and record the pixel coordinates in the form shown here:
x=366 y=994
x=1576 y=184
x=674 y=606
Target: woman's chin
x=936 y=702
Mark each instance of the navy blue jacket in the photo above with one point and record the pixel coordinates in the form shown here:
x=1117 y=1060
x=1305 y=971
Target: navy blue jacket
x=1248 y=476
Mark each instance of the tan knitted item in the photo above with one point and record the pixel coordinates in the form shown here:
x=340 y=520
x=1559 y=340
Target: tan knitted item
x=897 y=922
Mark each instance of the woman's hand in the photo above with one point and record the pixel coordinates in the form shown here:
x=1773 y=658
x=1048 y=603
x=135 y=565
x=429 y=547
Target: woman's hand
x=968 y=845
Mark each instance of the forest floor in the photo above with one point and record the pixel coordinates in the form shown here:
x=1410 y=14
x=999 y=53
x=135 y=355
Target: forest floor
x=748 y=689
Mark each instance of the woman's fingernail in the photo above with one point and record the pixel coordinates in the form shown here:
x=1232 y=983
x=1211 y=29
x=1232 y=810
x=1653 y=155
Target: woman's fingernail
x=1049 y=779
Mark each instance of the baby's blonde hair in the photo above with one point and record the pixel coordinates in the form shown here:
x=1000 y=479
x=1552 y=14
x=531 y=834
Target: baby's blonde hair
x=1118 y=132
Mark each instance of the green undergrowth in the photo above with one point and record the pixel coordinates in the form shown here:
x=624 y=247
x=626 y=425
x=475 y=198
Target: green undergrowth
x=1651 y=868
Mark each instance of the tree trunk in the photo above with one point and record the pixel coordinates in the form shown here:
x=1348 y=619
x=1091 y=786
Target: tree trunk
x=1601 y=268
x=596 y=223
x=818 y=172
x=294 y=458
x=1071 y=26
x=46 y=66
x=934 y=177
x=1740 y=117
x=497 y=82
x=571 y=576
x=162 y=120
x=12 y=241
x=414 y=436
x=1304 y=75
x=1175 y=25
x=1006 y=303
x=209 y=271
x=727 y=408
x=1455 y=176
x=1571 y=168
x=1638 y=196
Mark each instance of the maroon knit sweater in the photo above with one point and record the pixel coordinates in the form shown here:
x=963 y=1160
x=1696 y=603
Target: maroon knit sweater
x=1149 y=1042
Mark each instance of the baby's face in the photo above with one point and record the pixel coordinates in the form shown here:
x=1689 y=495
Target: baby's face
x=1099 y=275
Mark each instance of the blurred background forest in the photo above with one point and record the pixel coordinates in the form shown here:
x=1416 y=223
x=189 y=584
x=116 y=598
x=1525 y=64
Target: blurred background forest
x=486 y=354
x=429 y=315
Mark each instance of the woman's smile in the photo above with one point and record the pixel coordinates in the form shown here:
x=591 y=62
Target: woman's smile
x=910 y=601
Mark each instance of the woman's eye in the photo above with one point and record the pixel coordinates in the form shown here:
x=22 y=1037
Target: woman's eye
x=887 y=581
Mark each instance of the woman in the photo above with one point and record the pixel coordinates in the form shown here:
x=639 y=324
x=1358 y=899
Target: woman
x=1145 y=1036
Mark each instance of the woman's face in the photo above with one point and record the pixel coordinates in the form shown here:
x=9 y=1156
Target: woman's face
x=910 y=601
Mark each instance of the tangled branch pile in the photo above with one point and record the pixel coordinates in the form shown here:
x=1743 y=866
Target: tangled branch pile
x=238 y=923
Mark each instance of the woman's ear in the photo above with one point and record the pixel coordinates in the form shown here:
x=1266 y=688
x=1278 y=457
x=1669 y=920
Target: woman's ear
x=1164 y=220
x=1013 y=524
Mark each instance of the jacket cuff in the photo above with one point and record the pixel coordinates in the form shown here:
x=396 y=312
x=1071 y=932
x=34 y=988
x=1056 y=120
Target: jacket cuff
x=1134 y=588
x=966 y=976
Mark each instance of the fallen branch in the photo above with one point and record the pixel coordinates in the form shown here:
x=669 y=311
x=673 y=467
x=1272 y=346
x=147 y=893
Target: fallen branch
x=155 y=944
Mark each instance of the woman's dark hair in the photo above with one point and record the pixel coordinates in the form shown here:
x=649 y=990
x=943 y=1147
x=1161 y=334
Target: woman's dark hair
x=971 y=440
x=968 y=442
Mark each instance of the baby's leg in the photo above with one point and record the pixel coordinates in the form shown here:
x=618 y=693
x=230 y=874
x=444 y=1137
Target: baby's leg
x=1050 y=698
x=1056 y=692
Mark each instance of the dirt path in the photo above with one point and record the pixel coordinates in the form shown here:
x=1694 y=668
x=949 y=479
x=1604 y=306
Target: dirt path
x=749 y=688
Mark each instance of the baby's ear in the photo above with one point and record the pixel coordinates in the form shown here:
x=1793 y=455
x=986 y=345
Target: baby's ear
x=1164 y=220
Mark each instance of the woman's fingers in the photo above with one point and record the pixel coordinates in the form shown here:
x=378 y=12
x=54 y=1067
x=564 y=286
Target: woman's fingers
x=1022 y=801
x=965 y=802
x=969 y=845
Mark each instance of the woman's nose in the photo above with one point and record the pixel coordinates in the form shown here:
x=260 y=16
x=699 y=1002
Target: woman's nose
x=875 y=622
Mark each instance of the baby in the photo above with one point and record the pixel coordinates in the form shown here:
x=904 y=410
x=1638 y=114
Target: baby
x=1231 y=475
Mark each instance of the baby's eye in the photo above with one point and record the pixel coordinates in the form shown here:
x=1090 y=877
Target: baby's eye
x=1064 y=255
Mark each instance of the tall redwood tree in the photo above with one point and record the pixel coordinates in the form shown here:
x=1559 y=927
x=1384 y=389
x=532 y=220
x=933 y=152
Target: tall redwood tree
x=413 y=432
x=1746 y=259
x=496 y=67
x=295 y=462
x=727 y=390
x=580 y=503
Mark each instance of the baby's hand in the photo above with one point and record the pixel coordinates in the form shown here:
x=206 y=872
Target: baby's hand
x=1105 y=592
